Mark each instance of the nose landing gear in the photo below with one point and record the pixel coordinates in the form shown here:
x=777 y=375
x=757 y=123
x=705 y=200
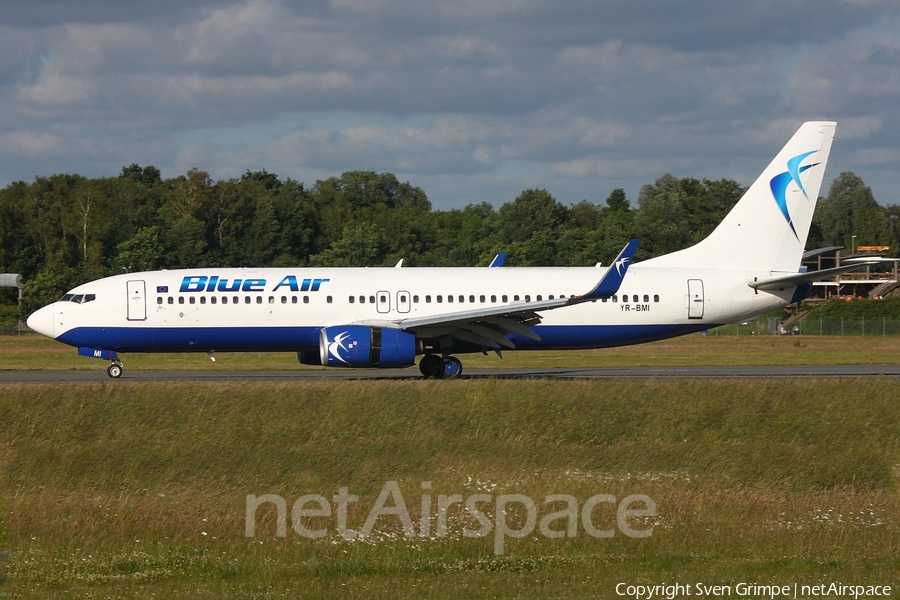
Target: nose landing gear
x=115 y=369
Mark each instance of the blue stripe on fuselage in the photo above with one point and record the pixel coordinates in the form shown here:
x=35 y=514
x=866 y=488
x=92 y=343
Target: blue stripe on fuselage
x=584 y=337
x=293 y=339
x=194 y=339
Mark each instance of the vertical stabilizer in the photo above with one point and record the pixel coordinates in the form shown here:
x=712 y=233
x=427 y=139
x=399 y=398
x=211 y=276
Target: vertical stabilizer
x=767 y=229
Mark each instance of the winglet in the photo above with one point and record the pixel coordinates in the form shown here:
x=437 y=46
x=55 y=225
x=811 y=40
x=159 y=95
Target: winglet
x=498 y=260
x=615 y=273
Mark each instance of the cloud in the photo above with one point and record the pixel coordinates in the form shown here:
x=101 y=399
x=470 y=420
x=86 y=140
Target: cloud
x=577 y=97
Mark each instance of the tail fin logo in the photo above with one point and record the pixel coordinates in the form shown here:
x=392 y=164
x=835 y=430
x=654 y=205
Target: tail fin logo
x=780 y=183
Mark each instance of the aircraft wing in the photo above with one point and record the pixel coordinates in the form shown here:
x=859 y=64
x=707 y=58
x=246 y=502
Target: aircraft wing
x=488 y=327
x=785 y=281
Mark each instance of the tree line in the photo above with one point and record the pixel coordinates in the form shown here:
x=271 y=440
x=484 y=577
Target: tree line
x=63 y=230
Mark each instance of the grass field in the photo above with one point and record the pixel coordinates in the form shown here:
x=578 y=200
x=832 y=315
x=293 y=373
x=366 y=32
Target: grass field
x=128 y=489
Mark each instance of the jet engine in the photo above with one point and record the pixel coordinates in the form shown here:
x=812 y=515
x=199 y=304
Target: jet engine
x=363 y=346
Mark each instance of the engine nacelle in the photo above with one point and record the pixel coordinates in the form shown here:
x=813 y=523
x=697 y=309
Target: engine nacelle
x=310 y=358
x=363 y=346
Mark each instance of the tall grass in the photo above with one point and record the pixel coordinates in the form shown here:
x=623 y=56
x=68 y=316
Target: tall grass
x=140 y=489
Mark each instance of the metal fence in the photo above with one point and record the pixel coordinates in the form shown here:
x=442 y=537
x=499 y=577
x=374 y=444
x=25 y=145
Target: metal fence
x=813 y=326
x=11 y=326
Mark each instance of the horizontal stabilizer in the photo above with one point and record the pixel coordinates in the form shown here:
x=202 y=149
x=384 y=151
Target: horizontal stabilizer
x=781 y=283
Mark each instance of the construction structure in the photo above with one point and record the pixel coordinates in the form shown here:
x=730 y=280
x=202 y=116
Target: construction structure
x=874 y=281
x=14 y=280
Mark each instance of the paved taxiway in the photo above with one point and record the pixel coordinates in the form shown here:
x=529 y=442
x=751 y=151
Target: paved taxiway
x=16 y=377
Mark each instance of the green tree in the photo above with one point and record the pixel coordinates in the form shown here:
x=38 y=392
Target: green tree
x=141 y=252
x=850 y=209
x=528 y=228
x=362 y=245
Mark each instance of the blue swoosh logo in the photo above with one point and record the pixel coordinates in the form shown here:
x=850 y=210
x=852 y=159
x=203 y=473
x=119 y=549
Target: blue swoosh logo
x=780 y=182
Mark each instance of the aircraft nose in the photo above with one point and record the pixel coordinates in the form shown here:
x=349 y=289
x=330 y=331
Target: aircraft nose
x=41 y=321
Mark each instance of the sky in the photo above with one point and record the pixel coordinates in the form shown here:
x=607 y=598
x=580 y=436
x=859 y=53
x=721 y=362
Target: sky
x=471 y=101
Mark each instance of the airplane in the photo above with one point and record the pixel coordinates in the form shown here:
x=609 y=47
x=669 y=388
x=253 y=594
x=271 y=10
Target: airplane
x=387 y=317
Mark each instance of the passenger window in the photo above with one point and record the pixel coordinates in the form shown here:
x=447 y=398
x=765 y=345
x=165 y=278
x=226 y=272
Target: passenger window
x=352 y=299
x=192 y=300
x=449 y=298
x=271 y=299
x=463 y=298
x=472 y=298
x=439 y=299
x=284 y=299
x=527 y=297
x=493 y=298
x=259 y=299
x=293 y=299
x=550 y=297
x=516 y=298
x=538 y=298
x=246 y=299
x=305 y=299
x=382 y=298
x=428 y=299
x=202 y=299
x=224 y=299
x=371 y=299
x=362 y=299
x=329 y=299
x=159 y=299
x=212 y=299
x=615 y=298
x=171 y=300
x=646 y=298
x=656 y=297
x=604 y=299
x=504 y=298
x=180 y=299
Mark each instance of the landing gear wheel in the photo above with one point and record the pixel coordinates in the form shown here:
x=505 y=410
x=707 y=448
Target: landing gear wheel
x=114 y=370
x=432 y=365
x=452 y=367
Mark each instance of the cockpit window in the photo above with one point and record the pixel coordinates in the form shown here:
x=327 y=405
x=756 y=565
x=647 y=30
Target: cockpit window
x=78 y=298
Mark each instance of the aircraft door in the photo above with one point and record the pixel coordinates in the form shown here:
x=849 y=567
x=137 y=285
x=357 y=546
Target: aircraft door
x=383 y=302
x=403 y=302
x=695 y=299
x=137 y=301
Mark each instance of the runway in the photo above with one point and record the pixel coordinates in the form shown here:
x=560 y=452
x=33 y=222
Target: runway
x=99 y=375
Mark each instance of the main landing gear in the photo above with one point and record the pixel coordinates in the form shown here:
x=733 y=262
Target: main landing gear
x=438 y=367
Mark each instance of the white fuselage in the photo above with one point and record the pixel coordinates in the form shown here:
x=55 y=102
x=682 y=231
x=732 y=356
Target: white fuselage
x=284 y=309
